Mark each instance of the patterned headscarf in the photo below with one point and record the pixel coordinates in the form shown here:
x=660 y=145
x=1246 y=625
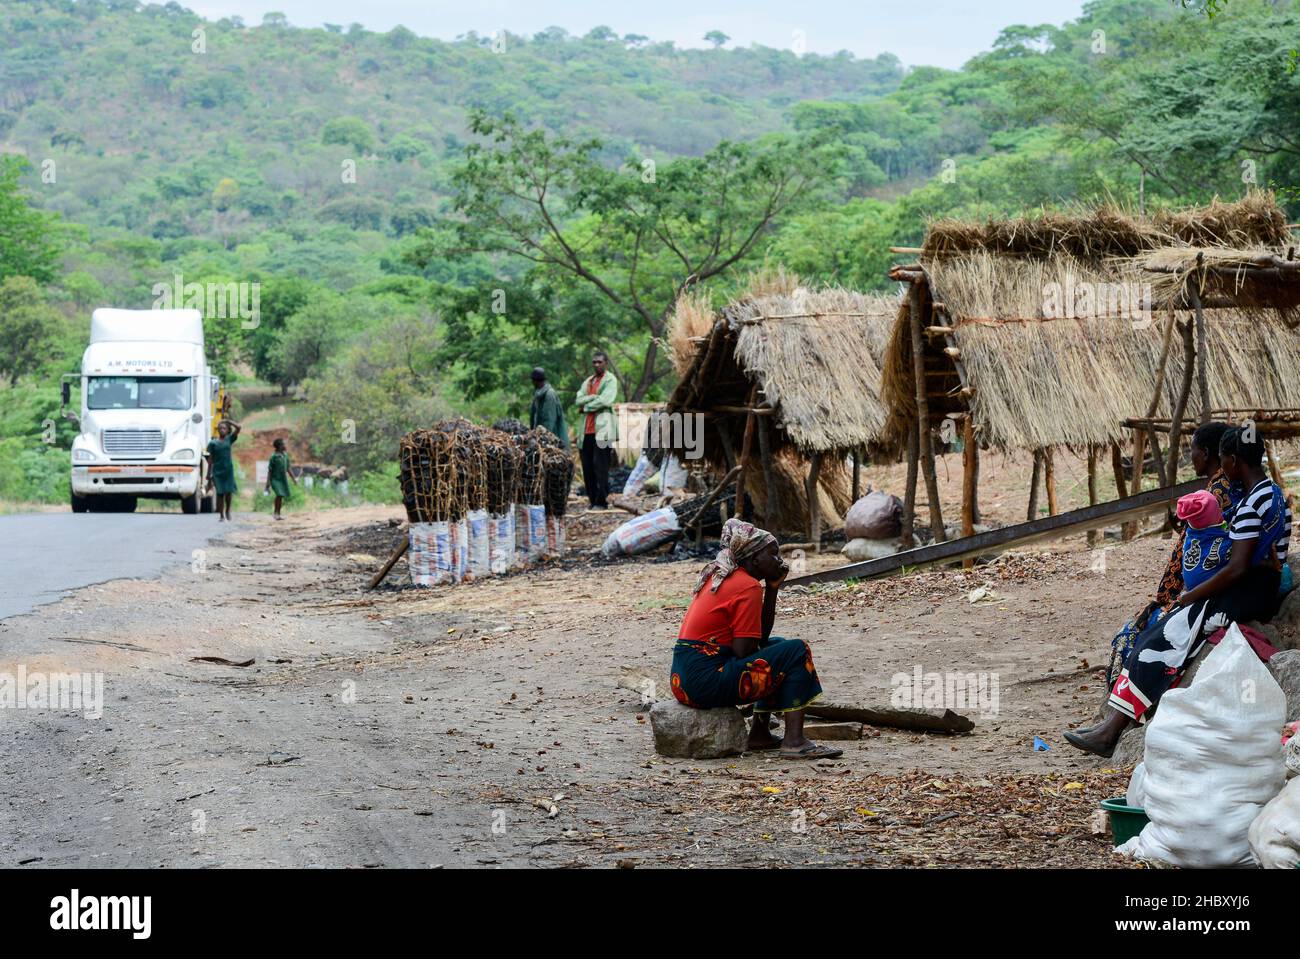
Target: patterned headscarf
x=740 y=540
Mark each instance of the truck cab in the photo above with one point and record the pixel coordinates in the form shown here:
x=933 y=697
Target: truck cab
x=149 y=405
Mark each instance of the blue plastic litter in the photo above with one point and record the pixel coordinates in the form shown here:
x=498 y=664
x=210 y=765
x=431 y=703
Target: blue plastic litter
x=1040 y=746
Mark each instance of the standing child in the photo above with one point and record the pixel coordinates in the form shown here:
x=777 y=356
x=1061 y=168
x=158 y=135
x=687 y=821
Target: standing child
x=221 y=466
x=278 y=475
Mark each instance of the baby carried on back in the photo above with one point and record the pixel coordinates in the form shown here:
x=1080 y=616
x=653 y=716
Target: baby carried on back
x=1205 y=543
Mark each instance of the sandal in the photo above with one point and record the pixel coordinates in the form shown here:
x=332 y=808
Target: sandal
x=813 y=751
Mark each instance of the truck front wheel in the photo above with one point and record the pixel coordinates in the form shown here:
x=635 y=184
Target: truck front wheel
x=80 y=504
x=190 y=504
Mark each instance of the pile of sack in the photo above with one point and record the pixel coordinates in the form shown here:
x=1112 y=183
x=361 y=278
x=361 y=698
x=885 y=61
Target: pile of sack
x=1213 y=773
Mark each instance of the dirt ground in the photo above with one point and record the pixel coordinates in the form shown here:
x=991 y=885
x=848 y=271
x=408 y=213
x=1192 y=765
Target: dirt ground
x=481 y=724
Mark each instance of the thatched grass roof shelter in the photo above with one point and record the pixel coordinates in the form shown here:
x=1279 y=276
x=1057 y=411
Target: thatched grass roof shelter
x=1050 y=330
x=802 y=365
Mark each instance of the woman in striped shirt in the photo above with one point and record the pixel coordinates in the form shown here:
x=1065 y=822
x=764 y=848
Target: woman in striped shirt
x=1245 y=588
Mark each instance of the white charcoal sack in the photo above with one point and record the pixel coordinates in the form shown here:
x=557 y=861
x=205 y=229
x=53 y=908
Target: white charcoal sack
x=1212 y=762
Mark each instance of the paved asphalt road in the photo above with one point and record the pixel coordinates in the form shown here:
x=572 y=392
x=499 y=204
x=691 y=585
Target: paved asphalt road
x=43 y=555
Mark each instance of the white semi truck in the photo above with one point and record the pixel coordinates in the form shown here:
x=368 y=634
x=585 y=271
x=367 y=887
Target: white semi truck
x=149 y=405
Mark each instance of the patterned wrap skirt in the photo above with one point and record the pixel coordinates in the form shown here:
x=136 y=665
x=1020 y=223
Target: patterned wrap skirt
x=777 y=677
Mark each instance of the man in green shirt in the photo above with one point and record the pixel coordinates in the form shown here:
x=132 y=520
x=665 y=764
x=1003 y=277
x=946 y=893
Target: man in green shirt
x=595 y=400
x=546 y=409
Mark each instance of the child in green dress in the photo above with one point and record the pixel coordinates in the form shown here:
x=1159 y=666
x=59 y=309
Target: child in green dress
x=221 y=466
x=278 y=476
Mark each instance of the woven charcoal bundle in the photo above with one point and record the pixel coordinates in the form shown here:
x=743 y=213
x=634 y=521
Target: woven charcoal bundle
x=532 y=472
x=687 y=509
x=424 y=465
x=504 y=463
x=557 y=476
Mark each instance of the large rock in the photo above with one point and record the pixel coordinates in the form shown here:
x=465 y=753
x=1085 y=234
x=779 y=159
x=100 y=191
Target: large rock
x=686 y=733
x=1285 y=667
x=1286 y=624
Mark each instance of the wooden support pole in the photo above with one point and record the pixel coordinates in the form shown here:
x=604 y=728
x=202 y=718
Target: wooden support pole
x=1129 y=530
x=814 y=514
x=908 y=537
x=1092 y=489
x=769 y=480
x=1049 y=480
x=1032 y=512
x=698 y=519
x=969 y=459
x=1117 y=464
x=1180 y=405
x=857 y=476
x=1202 y=354
x=746 y=445
x=926 y=440
x=1274 y=468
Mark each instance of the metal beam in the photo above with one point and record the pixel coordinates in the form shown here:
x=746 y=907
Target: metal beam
x=996 y=540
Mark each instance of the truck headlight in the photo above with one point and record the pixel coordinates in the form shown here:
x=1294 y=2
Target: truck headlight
x=82 y=456
x=185 y=454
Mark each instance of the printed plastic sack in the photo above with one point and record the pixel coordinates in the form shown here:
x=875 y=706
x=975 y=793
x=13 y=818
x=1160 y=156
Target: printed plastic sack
x=459 y=549
x=1212 y=761
x=554 y=537
x=878 y=515
x=501 y=541
x=1275 y=833
x=642 y=533
x=530 y=533
x=643 y=470
x=480 y=543
x=430 y=556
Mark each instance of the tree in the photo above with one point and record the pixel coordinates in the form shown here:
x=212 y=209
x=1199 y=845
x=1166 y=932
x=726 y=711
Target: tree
x=281 y=297
x=349 y=131
x=717 y=38
x=637 y=236
x=28 y=327
x=27 y=243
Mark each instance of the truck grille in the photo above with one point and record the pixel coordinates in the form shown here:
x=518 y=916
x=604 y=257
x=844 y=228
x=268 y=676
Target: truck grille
x=133 y=442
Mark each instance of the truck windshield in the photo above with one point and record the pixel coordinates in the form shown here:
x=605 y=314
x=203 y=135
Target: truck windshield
x=139 y=392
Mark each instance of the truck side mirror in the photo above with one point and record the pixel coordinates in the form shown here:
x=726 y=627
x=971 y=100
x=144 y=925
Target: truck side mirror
x=67 y=392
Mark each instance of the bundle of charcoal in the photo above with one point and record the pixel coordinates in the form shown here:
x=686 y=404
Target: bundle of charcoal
x=467 y=470
x=505 y=463
x=687 y=509
x=557 y=469
x=511 y=426
x=425 y=474
x=531 y=472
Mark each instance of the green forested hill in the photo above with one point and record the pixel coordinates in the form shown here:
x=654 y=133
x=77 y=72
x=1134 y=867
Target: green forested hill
x=250 y=133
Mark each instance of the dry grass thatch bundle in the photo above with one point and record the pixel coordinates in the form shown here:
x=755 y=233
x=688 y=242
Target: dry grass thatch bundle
x=1254 y=278
x=1110 y=230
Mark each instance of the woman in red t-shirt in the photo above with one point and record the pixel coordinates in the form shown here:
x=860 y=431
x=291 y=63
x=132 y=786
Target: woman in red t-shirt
x=726 y=655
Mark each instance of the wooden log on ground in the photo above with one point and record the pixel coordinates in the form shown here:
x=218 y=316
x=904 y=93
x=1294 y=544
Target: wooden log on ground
x=833 y=731
x=924 y=720
x=397 y=554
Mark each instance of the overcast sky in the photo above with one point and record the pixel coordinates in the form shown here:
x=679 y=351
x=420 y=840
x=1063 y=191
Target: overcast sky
x=935 y=32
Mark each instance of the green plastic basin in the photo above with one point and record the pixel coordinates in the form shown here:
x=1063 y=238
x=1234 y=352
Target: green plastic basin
x=1125 y=821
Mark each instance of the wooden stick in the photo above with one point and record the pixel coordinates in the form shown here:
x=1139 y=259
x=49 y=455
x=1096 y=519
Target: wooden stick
x=1202 y=356
x=928 y=720
x=1049 y=480
x=697 y=519
x=908 y=533
x=745 y=446
x=857 y=476
x=1032 y=512
x=926 y=441
x=1129 y=530
x=1092 y=489
x=969 y=459
x=397 y=554
x=1184 y=391
x=814 y=517
x=769 y=480
x=1117 y=464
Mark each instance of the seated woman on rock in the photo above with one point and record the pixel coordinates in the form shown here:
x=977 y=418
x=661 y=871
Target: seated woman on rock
x=1245 y=587
x=726 y=655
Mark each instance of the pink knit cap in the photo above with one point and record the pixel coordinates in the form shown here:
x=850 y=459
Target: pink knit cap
x=1200 y=510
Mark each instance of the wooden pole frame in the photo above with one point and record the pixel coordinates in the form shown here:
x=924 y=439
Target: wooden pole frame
x=926 y=441
x=969 y=473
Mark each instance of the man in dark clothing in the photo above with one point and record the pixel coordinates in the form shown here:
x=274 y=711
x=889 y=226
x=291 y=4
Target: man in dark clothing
x=546 y=410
